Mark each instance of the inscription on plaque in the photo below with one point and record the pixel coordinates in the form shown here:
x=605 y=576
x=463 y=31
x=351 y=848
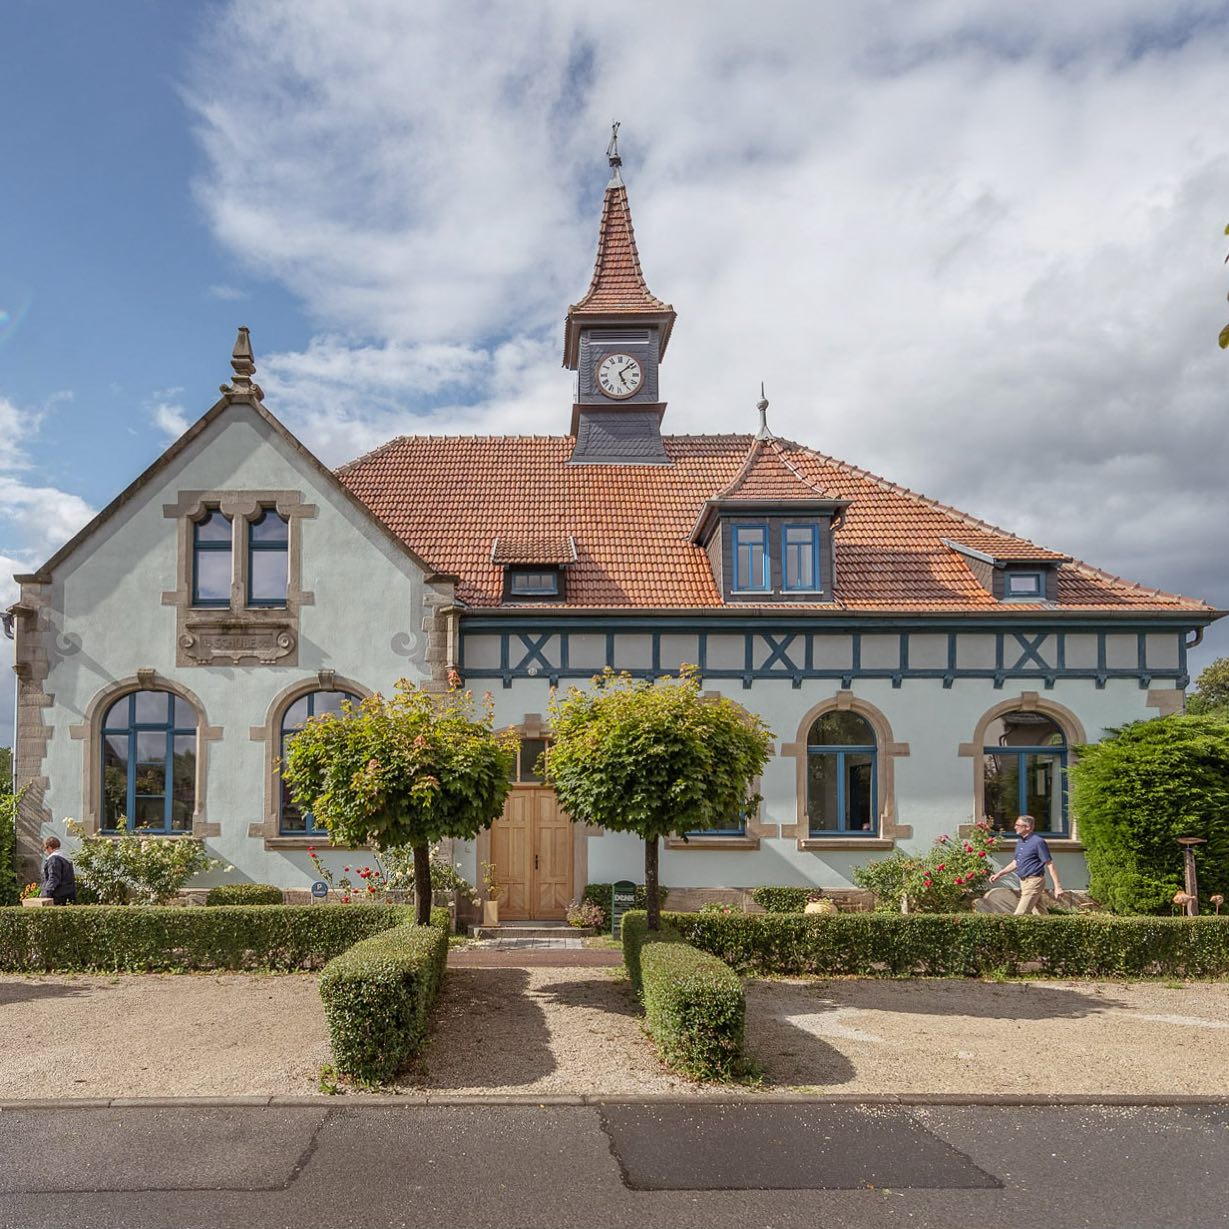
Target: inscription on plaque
x=211 y=643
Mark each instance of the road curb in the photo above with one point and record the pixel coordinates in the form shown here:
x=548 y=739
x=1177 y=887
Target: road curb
x=435 y=1100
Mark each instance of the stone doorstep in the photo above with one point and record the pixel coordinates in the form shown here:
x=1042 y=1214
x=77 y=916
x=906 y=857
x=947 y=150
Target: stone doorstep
x=532 y=930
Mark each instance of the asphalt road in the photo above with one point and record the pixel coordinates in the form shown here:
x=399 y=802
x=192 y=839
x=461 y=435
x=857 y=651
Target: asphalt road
x=641 y=1165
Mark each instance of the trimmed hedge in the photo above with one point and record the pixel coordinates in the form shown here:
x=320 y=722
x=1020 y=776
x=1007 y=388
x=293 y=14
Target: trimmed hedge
x=161 y=939
x=377 y=998
x=244 y=894
x=694 y=1009
x=949 y=945
x=782 y=900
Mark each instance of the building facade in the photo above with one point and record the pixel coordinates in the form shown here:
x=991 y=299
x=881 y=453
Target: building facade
x=920 y=669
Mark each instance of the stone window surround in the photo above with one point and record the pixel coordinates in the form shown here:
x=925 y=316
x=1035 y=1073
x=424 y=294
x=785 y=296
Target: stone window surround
x=267 y=829
x=90 y=733
x=1026 y=702
x=887 y=751
x=242 y=507
x=756 y=829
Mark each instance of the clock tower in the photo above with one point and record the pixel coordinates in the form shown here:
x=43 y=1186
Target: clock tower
x=615 y=339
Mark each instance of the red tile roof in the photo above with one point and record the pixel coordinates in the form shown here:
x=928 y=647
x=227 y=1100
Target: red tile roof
x=768 y=474
x=449 y=497
x=533 y=548
x=618 y=285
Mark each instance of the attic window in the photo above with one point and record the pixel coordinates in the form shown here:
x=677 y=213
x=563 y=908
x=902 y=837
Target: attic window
x=533 y=583
x=1023 y=586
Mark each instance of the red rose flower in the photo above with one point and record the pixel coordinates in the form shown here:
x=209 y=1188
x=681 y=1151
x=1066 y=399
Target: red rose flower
x=942 y=866
x=981 y=853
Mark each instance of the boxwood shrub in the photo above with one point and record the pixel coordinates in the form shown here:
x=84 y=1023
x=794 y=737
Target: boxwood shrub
x=694 y=1009
x=244 y=894
x=377 y=998
x=782 y=900
x=951 y=945
x=158 y=939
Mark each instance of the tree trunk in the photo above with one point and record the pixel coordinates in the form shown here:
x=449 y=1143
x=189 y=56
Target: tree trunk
x=650 y=884
x=422 y=883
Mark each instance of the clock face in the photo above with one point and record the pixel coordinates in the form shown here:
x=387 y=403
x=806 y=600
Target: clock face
x=619 y=375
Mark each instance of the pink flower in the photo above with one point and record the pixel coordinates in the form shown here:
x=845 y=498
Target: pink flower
x=311 y=849
x=941 y=867
x=981 y=853
x=957 y=880
x=345 y=868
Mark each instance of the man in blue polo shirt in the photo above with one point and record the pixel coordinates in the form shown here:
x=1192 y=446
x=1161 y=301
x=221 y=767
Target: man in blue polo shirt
x=1031 y=862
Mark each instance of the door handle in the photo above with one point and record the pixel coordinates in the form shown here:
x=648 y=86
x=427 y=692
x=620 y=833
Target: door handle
x=535 y=861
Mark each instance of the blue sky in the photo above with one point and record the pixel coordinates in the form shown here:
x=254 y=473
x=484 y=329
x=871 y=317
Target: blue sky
x=973 y=248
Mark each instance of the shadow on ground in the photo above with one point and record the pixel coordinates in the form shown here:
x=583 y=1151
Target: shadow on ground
x=31 y=991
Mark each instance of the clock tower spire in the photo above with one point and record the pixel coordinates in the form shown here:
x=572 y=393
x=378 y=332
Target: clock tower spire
x=615 y=338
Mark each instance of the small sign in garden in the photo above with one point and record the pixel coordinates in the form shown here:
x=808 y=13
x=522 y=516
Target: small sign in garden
x=622 y=898
x=320 y=890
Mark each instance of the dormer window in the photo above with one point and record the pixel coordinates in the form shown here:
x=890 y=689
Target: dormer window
x=533 y=584
x=751 y=559
x=1024 y=587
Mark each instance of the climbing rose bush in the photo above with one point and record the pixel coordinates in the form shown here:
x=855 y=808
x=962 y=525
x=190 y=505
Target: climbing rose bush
x=134 y=869
x=943 y=881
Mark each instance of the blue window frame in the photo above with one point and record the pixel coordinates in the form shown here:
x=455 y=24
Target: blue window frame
x=751 y=559
x=292 y=821
x=149 y=763
x=268 y=559
x=1025 y=773
x=842 y=777
x=1023 y=586
x=211 y=560
x=732 y=825
x=800 y=558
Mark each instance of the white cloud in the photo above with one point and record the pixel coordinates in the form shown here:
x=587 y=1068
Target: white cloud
x=228 y=294
x=973 y=247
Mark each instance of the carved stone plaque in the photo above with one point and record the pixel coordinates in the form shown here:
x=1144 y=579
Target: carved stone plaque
x=237 y=643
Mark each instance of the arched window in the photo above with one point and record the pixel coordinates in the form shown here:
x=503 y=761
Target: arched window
x=842 y=781
x=268 y=559
x=149 y=763
x=1025 y=772
x=291 y=820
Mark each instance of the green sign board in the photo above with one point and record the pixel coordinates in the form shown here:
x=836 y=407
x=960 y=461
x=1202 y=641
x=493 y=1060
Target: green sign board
x=622 y=898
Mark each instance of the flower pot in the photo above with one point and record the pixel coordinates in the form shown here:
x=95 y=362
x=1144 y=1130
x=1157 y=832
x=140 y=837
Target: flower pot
x=37 y=902
x=490 y=913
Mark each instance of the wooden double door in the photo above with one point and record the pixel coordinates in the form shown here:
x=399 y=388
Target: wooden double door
x=531 y=846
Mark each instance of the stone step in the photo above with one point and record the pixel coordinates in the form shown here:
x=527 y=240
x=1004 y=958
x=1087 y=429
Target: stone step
x=532 y=930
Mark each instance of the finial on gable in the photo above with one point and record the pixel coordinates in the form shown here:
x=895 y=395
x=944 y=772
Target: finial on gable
x=612 y=156
x=762 y=405
x=244 y=367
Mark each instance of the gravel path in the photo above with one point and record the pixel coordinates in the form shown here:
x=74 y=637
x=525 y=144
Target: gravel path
x=981 y=1037
x=577 y=1030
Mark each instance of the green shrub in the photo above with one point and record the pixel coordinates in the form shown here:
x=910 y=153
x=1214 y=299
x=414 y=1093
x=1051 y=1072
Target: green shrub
x=145 y=870
x=377 y=998
x=602 y=895
x=774 y=899
x=949 y=945
x=9 y=890
x=244 y=894
x=1139 y=789
x=694 y=1009
x=157 y=939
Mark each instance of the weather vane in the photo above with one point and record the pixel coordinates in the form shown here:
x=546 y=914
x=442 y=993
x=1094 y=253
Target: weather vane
x=612 y=155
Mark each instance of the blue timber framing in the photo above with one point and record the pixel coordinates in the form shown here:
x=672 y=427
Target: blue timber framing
x=784 y=648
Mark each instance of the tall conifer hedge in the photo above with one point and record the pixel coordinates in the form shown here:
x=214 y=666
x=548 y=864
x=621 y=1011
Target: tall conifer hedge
x=1140 y=789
